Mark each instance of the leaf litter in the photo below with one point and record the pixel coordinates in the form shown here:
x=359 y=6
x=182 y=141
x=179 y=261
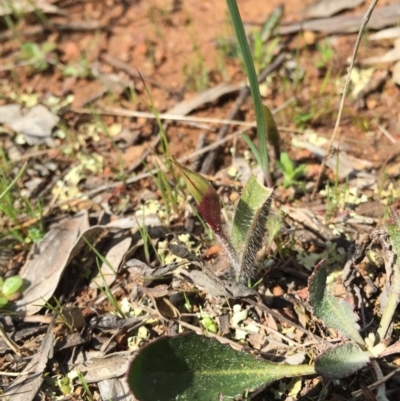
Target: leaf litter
x=187 y=292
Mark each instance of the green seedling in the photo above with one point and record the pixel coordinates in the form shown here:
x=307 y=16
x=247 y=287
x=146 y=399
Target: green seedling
x=261 y=44
x=81 y=69
x=326 y=53
x=14 y=207
x=85 y=385
x=147 y=242
x=165 y=183
x=158 y=16
x=208 y=323
x=57 y=310
x=262 y=52
x=39 y=57
x=122 y=174
x=7 y=187
x=271 y=23
x=291 y=174
x=302 y=119
x=9 y=288
x=196 y=73
x=168 y=192
x=64 y=384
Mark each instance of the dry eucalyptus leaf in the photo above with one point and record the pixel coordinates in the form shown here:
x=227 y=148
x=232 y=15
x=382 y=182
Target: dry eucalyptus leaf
x=114 y=83
x=381 y=17
x=46 y=263
x=48 y=260
x=112 y=322
x=138 y=269
x=73 y=316
x=114 y=254
x=26 y=386
x=89 y=234
x=9 y=112
x=150 y=220
x=307 y=218
x=389 y=57
x=348 y=164
x=36 y=124
x=217 y=287
x=327 y=8
x=108 y=367
x=165 y=308
x=115 y=389
x=158 y=291
x=388 y=33
x=207 y=96
x=213 y=287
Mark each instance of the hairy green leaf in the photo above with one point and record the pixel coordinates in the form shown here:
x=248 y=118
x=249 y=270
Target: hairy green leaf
x=341 y=361
x=335 y=314
x=250 y=226
x=197 y=368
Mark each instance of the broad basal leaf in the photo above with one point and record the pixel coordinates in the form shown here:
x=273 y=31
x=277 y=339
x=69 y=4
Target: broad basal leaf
x=335 y=314
x=196 y=368
x=249 y=226
x=341 y=361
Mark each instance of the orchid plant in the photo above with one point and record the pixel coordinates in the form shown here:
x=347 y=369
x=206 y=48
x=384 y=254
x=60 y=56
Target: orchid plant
x=192 y=367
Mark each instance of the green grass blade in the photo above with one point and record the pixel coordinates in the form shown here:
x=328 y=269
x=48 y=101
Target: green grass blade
x=254 y=88
x=13 y=182
x=252 y=147
x=249 y=227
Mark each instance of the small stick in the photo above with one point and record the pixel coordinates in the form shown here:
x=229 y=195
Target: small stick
x=84 y=26
x=345 y=90
x=358 y=393
x=121 y=65
x=9 y=342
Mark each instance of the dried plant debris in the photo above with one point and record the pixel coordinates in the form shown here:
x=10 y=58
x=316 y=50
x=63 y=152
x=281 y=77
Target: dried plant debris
x=109 y=250
x=27 y=385
x=28 y=6
x=35 y=124
x=327 y=8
